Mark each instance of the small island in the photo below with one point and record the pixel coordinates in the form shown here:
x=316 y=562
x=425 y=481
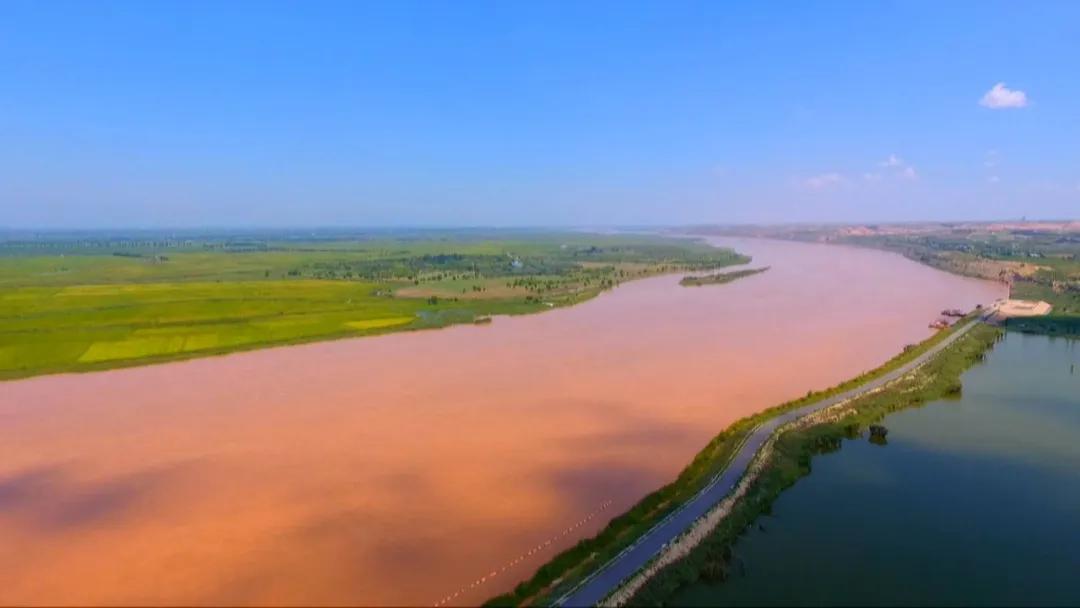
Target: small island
x=719 y=278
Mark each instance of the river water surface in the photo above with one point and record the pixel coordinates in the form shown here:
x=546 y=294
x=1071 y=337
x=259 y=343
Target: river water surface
x=973 y=501
x=410 y=468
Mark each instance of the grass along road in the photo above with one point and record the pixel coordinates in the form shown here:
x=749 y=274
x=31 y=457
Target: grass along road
x=633 y=559
x=568 y=569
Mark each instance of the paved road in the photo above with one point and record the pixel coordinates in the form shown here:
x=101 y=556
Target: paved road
x=635 y=557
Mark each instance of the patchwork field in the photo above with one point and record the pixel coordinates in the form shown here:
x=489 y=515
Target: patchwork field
x=83 y=309
x=52 y=329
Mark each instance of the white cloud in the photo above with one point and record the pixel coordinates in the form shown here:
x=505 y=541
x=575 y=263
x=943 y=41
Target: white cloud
x=1001 y=97
x=899 y=167
x=993 y=179
x=891 y=169
x=823 y=181
x=892 y=161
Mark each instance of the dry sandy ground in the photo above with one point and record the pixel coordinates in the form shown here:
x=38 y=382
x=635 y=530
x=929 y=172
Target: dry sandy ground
x=1021 y=308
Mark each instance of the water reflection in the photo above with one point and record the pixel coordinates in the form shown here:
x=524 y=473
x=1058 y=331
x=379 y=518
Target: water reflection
x=974 y=502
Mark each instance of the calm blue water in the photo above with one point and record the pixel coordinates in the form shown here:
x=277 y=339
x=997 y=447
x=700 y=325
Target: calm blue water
x=973 y=501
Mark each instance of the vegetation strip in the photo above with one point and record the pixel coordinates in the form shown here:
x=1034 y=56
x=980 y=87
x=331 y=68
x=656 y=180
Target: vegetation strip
x=1039 y=261
x=613 y=575
x=567 y=570
x=74 y=305
x=788 y=455
x=565 y=598
x=719 y=278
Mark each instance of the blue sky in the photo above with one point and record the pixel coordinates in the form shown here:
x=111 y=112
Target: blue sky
x=158 y=114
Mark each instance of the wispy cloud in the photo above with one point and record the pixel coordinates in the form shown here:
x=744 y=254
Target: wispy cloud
x=824 y=181
x=899 y=167
x=892 y=161
x=889 y=169
x=993 y=179
x=1002 y=97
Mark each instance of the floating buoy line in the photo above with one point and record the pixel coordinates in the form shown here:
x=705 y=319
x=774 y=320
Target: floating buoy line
x=524 y=556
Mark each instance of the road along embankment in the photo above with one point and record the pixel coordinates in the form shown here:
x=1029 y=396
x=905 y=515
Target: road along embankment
x=673 y=537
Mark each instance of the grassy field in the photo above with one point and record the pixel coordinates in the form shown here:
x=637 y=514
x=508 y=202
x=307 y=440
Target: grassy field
x=95 y=302
x=1063 y=320
x=566 y=569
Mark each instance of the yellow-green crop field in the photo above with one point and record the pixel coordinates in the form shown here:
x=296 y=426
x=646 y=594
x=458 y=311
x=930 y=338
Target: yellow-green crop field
x=74 y=306
x=84 y=327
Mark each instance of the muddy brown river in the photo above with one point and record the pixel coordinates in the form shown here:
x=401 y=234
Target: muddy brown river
x=412 y=468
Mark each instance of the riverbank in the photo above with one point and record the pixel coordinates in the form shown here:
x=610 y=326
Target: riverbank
x=567 y=571
x=982 y=485
x=1040 y=261
x=464 y=450
x=707 y=554
x=83 y=309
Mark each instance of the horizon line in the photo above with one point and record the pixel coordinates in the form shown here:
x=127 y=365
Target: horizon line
x=568 y=226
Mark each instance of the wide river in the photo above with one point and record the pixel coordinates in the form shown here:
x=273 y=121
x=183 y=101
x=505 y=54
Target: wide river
x=407 y=468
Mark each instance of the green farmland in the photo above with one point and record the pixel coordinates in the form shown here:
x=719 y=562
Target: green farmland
x=82 y=304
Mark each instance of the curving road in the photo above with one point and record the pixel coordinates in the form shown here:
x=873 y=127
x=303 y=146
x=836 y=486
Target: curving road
x=624 y=565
